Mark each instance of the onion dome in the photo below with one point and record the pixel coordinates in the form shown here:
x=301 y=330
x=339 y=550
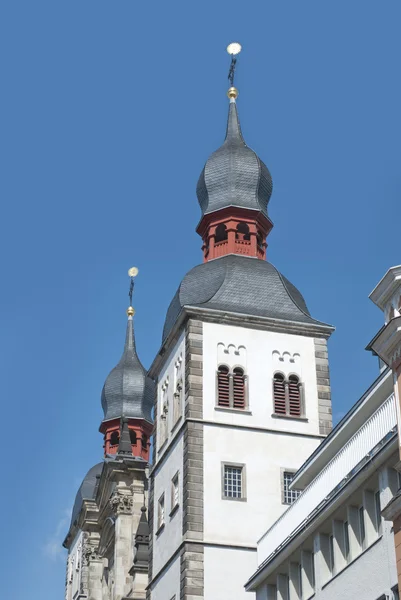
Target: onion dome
x=241 y=285
x=234 y=175
x=87 y=490
x=128 y=391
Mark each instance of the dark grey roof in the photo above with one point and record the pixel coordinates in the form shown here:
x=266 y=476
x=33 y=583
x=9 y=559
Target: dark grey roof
x=87 y=490
x=128 y=391
x=239 y=284
x=234 y=175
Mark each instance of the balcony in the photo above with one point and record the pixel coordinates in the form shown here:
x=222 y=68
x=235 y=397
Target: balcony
x=343 y=465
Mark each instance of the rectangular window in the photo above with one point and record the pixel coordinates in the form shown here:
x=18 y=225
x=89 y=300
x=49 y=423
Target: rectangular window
x=233 y=484
x=362 y=534
x=396 y=595
x=346 y=542
x=160 y=512
x=175 y=490
x=289 y=496
x=378 y=513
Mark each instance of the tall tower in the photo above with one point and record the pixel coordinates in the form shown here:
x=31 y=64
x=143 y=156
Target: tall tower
x=243 y=391
x=108 y=538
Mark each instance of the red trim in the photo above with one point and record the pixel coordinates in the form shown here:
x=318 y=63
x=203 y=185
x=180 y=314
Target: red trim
x=235 y=242
x=142 y=429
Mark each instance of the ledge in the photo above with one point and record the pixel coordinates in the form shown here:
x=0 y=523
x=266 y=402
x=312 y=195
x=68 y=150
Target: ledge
x=239 y=411
x=173 y=510
x=174 y=427
x=290 y=418
x=159 y=531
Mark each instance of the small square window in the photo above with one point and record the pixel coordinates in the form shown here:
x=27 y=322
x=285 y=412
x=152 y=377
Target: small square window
x=160 y=512
x=175 y=492
x=233 y=482
x=289 y=496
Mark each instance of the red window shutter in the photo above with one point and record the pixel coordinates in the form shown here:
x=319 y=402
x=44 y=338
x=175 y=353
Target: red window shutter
x=295 y=396
x=223 y=387
x=239 y=388
x=279 y=394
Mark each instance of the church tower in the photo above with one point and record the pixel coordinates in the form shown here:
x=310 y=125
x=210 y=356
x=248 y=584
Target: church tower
x=243 y=391
x=108 y=538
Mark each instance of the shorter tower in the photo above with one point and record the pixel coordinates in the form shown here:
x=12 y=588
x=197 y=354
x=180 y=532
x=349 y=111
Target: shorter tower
x=107 y=540
x=128 y=393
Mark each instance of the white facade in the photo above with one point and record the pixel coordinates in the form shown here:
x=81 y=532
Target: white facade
x=332 y=541
x=255 y=439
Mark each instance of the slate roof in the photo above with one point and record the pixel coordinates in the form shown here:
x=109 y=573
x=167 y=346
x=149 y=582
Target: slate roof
x=234 y=175
x=128 y=391
x=87 y=490
x=239 y=284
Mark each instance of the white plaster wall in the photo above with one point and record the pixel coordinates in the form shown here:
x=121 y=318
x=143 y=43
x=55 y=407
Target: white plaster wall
x=260 y=351
x=226 y=571
x=168 y=373
x=165 y=544
x=370 y=576
x=264 y=454
x=168 y=585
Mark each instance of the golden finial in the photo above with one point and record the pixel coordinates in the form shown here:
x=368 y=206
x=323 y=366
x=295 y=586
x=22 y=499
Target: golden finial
x=233 y=49
x=132 y=272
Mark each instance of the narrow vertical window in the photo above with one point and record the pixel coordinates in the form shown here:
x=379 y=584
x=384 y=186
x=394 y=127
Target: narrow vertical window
x=174 y=493
x=346 y=542
x=233 y=485
x=294 y=393
x=331 y=555
x=378 y=513
x=238 y=388
x=362 y=534
x=289 y=496
x=132 y=436
x=160 y=512
x=223 y=386
x=279 y=394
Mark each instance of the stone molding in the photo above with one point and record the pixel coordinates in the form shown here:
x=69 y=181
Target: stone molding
x=191 y=556
x=323 y=386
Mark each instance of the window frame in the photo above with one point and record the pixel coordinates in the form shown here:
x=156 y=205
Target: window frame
x=286 y=383
x=242 y=466
x=283 y=472
x=161 y=513
x=230 y=375
x=175 y=503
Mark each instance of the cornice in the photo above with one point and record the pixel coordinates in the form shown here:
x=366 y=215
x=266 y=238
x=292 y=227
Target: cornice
x=387 y=343
x=386 y=287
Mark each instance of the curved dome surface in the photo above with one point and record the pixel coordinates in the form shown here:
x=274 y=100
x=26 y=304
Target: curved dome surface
x=239 y=284
x=234 y=175
x=87 y=490
x=128 y=391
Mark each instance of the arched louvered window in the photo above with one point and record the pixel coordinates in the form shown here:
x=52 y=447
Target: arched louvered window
x=279 y=394
x=223 y=386
x=242 y=232
x=294 y=393
x=221 y=233
x=238 y=388
x=132 y=435
x=114 y=438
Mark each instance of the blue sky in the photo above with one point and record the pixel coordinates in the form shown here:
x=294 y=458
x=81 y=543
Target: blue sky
x=108 y=112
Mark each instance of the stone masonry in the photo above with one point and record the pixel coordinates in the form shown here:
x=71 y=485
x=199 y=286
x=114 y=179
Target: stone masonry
x=323 y=386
